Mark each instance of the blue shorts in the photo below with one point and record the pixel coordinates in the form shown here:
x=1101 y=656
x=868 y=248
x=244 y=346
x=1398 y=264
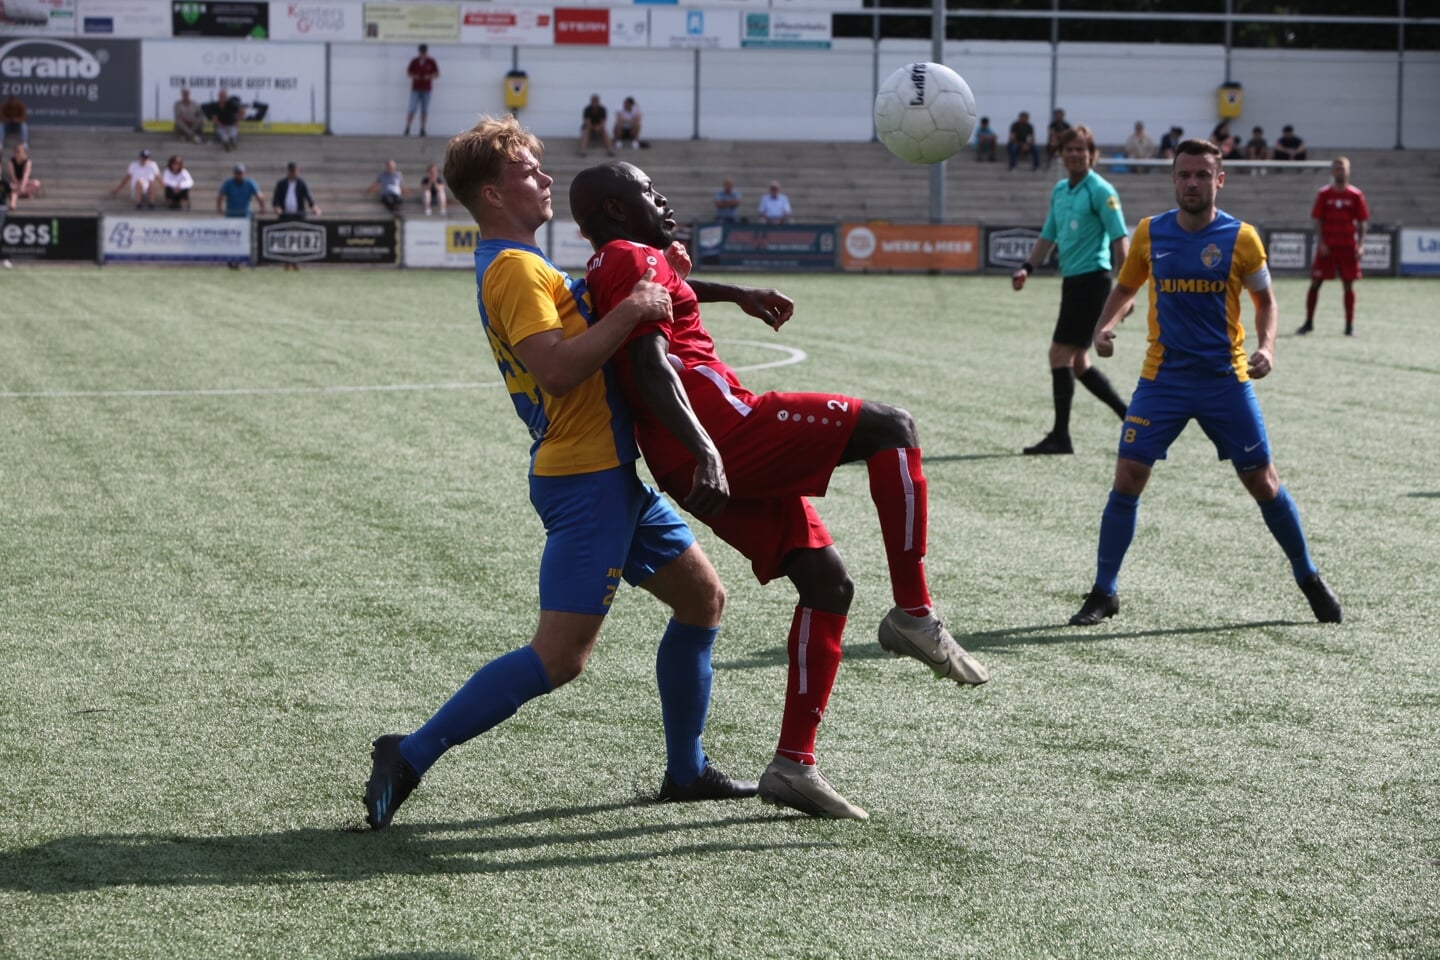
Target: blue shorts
x=420 y=100
x=600 y=527
x=1225 y=408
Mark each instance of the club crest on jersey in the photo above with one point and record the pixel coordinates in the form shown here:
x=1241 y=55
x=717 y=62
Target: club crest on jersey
x=1210 y=255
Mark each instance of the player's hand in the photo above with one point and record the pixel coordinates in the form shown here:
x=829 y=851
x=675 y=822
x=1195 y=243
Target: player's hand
x=1017 y=279
x=709 y=490
x=1105 y=343
x=772 y=306
x=1322 y=249
x=1261 y=364
x=652 y=299
x=679 y=258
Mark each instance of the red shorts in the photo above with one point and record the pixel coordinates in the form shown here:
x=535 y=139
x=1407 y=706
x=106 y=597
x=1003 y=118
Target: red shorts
x=1342 y=260
x=784 y=450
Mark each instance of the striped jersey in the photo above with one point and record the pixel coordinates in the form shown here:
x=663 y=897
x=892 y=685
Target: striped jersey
x=521 y=293
x=1195 y=283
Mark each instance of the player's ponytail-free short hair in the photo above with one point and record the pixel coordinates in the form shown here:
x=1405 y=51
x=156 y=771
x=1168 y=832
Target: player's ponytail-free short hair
x=1082 y=133
x=478 y=156
x=1197 y=147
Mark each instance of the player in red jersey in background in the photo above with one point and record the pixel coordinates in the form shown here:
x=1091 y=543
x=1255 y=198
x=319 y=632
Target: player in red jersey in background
x=1340 y=216
x=775 y=450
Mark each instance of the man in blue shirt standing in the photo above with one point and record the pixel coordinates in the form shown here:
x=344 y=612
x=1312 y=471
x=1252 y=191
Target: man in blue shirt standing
x=1087 y=228
x=235 y=194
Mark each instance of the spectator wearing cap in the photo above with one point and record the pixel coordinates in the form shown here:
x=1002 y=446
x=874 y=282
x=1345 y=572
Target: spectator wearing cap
x=235 y=195
x=141 y=177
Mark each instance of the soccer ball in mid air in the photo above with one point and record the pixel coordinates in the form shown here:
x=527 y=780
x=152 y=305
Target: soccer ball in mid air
x=924 y=112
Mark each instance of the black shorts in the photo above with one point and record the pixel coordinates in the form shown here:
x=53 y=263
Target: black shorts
x=1082 y=297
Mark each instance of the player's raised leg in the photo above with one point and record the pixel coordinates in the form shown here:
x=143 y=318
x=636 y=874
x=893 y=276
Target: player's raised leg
x=885 y=439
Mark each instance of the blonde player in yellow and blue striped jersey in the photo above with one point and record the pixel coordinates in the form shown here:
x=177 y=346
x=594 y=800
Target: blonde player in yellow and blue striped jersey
x=602 y=524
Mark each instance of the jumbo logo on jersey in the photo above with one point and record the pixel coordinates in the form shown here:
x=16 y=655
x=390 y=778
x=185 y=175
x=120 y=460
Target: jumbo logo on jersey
x=1210 y=255
x=1191 y=285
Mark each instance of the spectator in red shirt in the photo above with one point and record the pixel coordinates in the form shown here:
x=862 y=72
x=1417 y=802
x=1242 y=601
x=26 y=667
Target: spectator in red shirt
x=1340 y=217
x=423 y=72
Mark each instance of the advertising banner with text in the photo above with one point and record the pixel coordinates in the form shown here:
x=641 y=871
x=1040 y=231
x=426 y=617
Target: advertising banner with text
x=779 y=28
x=1006 y=247
x=1420 y=251
x=412 y=22
x=695 y=29
x=438 y=243
x=328 y=241
x=515 y=25
x=766 y=246
x=188 y=239
x=50 y=238
x=304 y=20
x=124 y=18
x=866 y=247
x=233 y=21
x=81 y=82
x=288 y=79
x=51 y=18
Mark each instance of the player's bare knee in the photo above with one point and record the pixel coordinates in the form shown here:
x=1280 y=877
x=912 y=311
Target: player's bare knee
x=1263 y=484
x=821 y=580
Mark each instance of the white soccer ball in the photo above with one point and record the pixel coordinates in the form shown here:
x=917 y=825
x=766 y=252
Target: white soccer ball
x=925 y=112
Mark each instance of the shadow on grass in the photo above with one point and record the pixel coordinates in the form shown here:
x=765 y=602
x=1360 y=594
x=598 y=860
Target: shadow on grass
x=952 y=458
x=314 y=855
x=1048 y=633
x=1425 y=494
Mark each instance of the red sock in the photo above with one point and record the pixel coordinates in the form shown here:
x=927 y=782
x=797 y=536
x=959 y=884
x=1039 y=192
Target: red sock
x=897 y=485
x=1349 y=307
x=814 y=647
x=1311 y=297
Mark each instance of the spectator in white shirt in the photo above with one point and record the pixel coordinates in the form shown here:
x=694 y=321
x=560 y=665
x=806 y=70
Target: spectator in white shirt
x=177 y=181
x=774 y=205
x=141 y=176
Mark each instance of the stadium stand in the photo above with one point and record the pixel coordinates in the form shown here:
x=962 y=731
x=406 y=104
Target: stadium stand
x=826 y=181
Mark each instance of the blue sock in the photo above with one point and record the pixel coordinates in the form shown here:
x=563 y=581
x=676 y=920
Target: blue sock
x=1283 y=519
x=683 y=673
x=491 y=695
x=1117 y=529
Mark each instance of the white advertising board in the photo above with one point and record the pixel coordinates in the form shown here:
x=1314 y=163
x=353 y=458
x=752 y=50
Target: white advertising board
x=123 y=18
x=695 y=29
x=304 y=20
x=786 y=29
x=569 y=250
x=516 y=26
x=192 y=239
x=289 y=79
x=440 y=243
x=629 y=27
x=1420 y=250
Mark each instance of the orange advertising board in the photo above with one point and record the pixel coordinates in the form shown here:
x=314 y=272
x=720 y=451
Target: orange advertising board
x=884 y=246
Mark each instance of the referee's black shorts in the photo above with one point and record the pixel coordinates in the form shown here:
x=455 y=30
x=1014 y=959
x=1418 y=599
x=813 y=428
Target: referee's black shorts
x=1082 y=297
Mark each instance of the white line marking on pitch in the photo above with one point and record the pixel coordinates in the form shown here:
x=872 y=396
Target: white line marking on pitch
x=793 y=355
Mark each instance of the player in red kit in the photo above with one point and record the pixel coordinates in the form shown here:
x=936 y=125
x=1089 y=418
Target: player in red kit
x=1340 y=216
x=775 y=450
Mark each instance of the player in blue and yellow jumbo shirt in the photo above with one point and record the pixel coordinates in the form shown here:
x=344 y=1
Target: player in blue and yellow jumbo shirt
x=1197 y=260
x=601 y=523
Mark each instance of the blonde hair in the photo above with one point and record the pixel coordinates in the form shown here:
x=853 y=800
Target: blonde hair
x=478 y=156
x=1082 y=133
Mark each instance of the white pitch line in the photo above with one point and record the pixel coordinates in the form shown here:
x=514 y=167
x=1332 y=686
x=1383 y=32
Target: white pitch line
x=793 y=355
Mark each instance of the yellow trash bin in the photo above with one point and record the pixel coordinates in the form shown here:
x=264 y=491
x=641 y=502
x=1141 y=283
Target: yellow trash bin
x=1232 y=100
x=517 y=89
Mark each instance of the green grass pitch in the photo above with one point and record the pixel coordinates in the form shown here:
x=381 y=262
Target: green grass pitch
x=252 y=520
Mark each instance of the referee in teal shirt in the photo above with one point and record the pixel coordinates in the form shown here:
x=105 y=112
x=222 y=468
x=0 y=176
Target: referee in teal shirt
x=1086 y=226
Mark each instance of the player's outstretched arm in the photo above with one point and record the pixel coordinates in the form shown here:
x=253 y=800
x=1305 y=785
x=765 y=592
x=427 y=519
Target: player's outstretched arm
x=1117 y=306
x=763 y=303
x=560 y=364
x=663 y=393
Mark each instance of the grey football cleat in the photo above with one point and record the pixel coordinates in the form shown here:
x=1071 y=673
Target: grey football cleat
x=801 y=786
x=927 y=640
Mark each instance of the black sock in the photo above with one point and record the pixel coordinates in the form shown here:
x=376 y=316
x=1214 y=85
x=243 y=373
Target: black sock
x=1062 y=385
x=1099 y=384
